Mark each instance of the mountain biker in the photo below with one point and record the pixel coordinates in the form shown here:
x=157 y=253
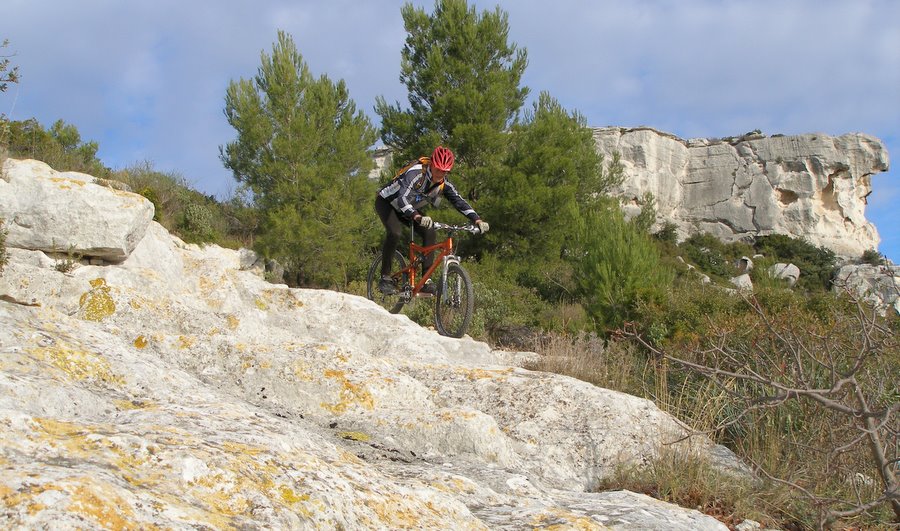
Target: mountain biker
x=420 y=183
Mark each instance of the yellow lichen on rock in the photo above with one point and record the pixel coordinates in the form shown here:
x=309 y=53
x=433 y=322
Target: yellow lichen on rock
x=133 y=404
x=354 y=436
x=555 y=519
x=302 y=372
x=243 y=472
x=25 y=496
x=290 y=497
x=186 y=342
x=96 y=304
x=350 y=394
x=478 y=373
x=101 y=505
x=280 y=298
x=140 y=342
x=77 y=364
x=454 y=485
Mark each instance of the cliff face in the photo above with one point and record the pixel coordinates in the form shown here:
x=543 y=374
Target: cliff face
x=811 y=186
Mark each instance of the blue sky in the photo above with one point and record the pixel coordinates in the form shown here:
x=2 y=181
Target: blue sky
x=147 y=79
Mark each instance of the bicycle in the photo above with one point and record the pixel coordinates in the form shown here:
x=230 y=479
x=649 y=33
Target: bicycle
x=454 y=297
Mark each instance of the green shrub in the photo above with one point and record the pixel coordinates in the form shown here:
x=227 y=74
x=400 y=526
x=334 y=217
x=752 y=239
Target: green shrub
x=801 y=341
x=688 y=481
x=193 y=216
x=817 y=264
x=60 y=146
x=668 y=233
x=713 y=256
x=196 y=224
x=872 y=257
x=687 y=311
x=617 y=365
x=150 y=195
x=645 y=220
x=500 y=300
x=616 y=267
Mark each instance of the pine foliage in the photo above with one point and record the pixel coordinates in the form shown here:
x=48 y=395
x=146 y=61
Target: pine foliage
x=617 y=266
x=463 y=80
x=302 y=150
x=60 y=146
x=8 y=74
x=550 y=173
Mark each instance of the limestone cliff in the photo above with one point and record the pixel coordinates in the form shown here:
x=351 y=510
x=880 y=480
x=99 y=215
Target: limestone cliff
x=811 y=186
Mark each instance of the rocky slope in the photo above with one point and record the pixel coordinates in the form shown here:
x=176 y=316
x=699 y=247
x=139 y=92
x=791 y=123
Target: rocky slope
x=159 y=384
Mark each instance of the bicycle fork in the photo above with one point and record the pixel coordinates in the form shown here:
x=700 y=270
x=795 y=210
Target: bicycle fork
x=445 y=266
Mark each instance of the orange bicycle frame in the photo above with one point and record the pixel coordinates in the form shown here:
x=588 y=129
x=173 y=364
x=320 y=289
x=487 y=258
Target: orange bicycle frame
x=417 y=253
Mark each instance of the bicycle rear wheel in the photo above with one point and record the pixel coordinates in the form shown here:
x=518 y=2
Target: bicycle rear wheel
x=391 y=302
x=455 y=303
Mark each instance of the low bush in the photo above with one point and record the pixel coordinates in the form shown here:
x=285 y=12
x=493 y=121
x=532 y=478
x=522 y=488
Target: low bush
x=60 y=146
x=690 y=482
x=194 y=217
x=713 y=256
x=817 y=264
x=791 y=370
x=873 y=257
x=687 y=311
x=616 y=268
x=500 y=301
x=617 y=365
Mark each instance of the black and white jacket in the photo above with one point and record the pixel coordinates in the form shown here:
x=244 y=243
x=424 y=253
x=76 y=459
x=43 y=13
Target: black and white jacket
x=412 y=190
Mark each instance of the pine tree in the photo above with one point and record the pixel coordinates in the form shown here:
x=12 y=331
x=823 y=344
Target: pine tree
x=60 y=146
x=551 y=172
x=463 y=81
x=616 y=266
x=302 y=150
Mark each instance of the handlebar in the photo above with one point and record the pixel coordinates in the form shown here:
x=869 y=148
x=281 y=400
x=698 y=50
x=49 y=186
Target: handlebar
x=456 y=228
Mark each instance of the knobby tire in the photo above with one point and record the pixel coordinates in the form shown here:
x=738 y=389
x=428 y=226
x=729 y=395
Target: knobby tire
x=455 y=303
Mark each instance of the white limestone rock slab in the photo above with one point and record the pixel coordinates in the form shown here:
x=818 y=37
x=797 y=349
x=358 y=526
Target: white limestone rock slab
x=65 y=212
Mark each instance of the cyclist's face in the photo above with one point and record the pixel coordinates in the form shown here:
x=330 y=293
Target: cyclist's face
x=438 y=175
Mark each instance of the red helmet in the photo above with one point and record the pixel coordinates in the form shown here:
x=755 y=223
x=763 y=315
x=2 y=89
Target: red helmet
x=442 y=158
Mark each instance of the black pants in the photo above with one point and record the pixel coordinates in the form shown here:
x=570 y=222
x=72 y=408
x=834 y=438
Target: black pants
x=394 y=225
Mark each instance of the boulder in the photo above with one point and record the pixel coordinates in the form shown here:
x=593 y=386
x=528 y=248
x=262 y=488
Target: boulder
x=743 y=282
x=100 y=222
x=788 y=272
x=744 y=264
x=876 y=285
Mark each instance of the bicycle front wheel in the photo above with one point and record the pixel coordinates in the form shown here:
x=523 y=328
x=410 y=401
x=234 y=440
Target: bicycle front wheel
x=392 y=302
x=455 y=303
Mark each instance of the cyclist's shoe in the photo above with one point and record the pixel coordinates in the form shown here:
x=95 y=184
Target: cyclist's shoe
x=428 y=288
x=386 y=286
